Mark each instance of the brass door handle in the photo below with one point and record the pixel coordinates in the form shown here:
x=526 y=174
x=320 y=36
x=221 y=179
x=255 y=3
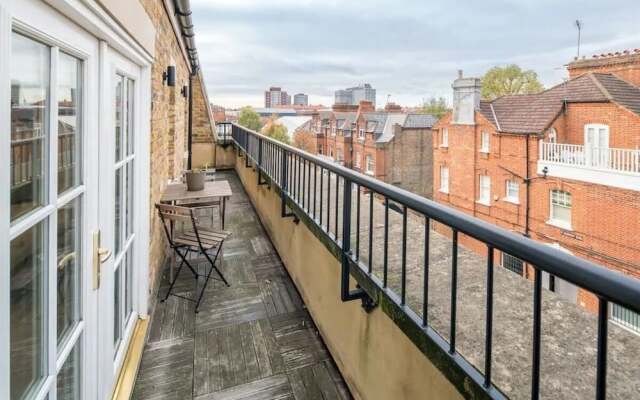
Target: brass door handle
x=100 y=256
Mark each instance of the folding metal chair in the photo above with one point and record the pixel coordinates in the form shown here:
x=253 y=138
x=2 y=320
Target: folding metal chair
x=194 y=239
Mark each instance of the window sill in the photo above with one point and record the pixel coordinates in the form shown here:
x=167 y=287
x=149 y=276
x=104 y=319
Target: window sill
x=445 y=191
x=484 y=203
x=370 y=173
x=511 y=200
x=559 y=224
x=442 y=146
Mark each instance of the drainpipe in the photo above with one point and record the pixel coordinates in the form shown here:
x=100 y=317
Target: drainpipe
x=183 y=14
x=528 y=184
x=190 y=131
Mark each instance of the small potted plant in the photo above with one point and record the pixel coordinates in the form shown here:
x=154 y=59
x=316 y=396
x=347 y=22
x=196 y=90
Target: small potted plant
x=195 y=179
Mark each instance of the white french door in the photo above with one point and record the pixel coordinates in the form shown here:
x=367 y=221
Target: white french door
x=117 y=217
x=596 y=143
x=52 y=192
x=73 y=166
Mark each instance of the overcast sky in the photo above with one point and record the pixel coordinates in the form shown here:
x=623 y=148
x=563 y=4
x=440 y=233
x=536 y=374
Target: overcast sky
x=409 y=49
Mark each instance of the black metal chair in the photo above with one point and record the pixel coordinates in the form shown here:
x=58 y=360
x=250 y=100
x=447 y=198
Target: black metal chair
x=193 y=239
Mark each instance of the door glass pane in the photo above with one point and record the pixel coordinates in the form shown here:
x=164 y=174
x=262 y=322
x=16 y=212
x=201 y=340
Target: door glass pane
x=30 y=68
x=117 y=312
x=118 y=212
x=129 y=191
x=129 y=284
x=68 y=380
x=130 y=97
x=68 y=267
x=28 y=331
x=69 y=121
x=118 y=115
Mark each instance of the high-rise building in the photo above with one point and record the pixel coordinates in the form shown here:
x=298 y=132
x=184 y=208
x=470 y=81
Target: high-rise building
x=301 y=99
x=354 y=95
x=275 y=96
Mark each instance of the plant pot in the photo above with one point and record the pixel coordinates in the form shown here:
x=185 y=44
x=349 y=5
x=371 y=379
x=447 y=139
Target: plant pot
x=195 y=181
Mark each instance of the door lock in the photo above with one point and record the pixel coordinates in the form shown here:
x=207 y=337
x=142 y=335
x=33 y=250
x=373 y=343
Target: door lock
x=100 y=255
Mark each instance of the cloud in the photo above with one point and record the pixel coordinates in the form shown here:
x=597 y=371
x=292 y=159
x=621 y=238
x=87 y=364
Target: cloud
x=409 y=49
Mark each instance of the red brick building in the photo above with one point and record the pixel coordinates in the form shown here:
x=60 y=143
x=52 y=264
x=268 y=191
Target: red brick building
x=561 y=166
x=390 y=145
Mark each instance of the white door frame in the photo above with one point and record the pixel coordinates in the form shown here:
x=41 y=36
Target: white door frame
x=93 y=18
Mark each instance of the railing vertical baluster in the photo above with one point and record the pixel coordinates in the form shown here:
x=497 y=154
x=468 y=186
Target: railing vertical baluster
x=321 y=194
x=601 y=371
x=371 y=231
x=298 y=175
x=309 y=187
x=454 y=291
x=489 y=319
x=425 y=282
x=304 y=182
x=315 y=188
x=403 y=283
x=346 y=240
x=337 y=204
x=385 y=244
x=328 y=201
x=537 y=322
x=358 y=223
x=284 y=186
x=259 y=154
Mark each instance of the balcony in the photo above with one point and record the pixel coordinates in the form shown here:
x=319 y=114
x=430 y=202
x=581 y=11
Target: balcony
x=404 y=302
x=618 y=167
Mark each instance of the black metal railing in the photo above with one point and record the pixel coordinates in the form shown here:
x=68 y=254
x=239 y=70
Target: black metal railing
x=223 y=129
x=325 y=191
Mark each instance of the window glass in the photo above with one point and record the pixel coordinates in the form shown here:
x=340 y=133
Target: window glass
x=485 y=189
x=444 y=179
x=513 y=264
x=484 y=142
x=27 y=316
x=68 y=268
x=68 y=380
x=445 y=137
x=30 y=68
x=512 y=191
x=561 y=206
x=625 y=317
x=69 y=121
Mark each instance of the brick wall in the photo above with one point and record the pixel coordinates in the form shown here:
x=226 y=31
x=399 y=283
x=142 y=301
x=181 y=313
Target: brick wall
x=408 y=160
x=604 y=219
x=168 y=126
x=626 y=66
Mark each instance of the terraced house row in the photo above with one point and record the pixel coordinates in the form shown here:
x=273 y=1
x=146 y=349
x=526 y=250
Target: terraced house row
x=389 y=144
x=561 y=167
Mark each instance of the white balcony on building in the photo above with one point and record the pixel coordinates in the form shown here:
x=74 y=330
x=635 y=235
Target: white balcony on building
x=601 y=165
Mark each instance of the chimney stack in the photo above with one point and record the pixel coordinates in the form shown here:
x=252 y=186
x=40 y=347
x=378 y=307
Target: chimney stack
x=466 y=99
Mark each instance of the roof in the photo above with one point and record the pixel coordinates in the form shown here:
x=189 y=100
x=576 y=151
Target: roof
x=416 y=121
x=375 y=122
x=387 y=131
x=533 y=113
x=293 y=123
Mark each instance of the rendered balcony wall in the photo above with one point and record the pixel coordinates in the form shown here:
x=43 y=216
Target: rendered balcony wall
x=376 y=358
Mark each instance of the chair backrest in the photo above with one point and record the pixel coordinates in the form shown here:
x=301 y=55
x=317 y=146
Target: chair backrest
x=169 y=213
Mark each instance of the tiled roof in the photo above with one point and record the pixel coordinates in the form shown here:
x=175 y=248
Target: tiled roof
x=533 y=113
x=391 y=120
x=379 y=119
x=420 y=121
x=620 y=91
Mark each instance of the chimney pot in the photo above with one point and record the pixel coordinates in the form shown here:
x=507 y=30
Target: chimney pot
x=459 y=74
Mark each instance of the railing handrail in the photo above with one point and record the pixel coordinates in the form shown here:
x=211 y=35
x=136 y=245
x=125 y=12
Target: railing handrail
x=603 y=282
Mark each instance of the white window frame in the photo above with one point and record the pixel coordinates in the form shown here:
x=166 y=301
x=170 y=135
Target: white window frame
x=444 y=179
x=361 y=133
x=555 y=221
x=508 y=196
x=621 y=322
x=444 y=138
x=356 y=162
x=553 y=135
x=484 y=183
x=369 y=164
x=484 y=142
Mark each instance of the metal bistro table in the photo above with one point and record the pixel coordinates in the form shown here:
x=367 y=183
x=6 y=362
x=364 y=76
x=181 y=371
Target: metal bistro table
x=177 y=193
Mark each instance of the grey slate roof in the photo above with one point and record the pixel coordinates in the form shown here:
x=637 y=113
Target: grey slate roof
x=420 y=121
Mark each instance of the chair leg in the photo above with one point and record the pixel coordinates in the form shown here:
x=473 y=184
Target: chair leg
x=204 y=287
x=173 y=282
x=213 y=264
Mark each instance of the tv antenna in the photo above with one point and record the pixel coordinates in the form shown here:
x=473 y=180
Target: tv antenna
x=579 y=26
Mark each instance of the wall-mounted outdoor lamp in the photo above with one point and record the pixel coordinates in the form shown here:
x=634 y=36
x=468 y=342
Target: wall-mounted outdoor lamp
x=169 y=76
x=185 y=91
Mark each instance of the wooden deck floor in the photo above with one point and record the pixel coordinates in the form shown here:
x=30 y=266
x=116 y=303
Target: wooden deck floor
x=253 y=340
